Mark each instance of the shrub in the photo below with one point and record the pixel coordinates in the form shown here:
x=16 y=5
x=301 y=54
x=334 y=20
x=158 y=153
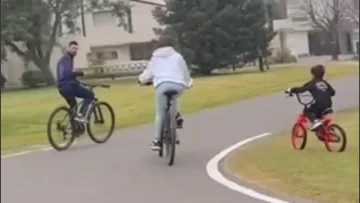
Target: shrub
x=355 y=58
x=33 y=78
x=282 y=56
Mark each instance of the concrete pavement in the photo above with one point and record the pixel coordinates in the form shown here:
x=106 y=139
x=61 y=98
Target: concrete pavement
x=125 y=170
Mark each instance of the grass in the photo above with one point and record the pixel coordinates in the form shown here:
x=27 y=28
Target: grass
x=24 y=114
x=313 y=173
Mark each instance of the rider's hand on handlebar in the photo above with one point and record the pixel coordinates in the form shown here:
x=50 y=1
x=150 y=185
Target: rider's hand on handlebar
x=288 y=91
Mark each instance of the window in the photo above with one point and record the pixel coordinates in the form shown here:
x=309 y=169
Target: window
x=113 y=55
x=104 y=18
x=99 y=55
x=106 y=55
x=141 y=51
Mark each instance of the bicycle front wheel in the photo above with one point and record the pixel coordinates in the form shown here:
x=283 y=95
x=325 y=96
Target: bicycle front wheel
x=101 y=122
x=171 y=140
x=59 y=129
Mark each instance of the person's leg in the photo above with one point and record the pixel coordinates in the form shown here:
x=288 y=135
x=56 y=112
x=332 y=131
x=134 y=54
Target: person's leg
x=312 y=113
x=69 y=97
x=88 y=97
x=160 y=106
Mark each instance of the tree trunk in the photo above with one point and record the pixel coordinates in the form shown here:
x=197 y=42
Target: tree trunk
x=44 y=66
x=49 y=77
x=266 y=64
x=334 y=40
x=261 y=64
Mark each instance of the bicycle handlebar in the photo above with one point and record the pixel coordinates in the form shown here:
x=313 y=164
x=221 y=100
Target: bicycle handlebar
x=145 y=84
x=290 y=94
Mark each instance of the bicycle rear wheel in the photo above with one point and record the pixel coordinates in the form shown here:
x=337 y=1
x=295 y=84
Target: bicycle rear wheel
x=63 y=126
x=98 y=117
x=335 y=134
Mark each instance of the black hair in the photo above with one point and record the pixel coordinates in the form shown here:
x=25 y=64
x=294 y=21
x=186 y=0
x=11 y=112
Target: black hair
x=73 y=43
x=318 y=71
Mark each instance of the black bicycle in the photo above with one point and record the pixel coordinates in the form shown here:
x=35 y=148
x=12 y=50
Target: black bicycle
x=168 y=138
x=69 y=129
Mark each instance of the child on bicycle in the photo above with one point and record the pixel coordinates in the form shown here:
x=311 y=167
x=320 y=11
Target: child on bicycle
x=167 y=70
x=321 y=91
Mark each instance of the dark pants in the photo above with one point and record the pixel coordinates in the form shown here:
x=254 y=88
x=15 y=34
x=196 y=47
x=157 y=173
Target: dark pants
x=315 y=111
x=70 y=92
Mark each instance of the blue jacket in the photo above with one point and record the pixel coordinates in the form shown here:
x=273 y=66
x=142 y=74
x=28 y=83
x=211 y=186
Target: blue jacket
x=65 y=74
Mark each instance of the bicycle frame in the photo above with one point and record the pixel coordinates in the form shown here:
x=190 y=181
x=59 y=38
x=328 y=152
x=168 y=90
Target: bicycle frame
x=303 y=121
x=97 y=112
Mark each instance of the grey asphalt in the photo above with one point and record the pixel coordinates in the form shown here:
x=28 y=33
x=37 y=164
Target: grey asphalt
x=125 y=170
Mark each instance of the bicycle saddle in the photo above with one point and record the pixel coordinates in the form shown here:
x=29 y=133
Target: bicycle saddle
x=327 y=111
x=170 y=93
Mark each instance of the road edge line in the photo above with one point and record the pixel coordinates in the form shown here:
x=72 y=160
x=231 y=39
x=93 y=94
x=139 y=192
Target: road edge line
x=212 y=169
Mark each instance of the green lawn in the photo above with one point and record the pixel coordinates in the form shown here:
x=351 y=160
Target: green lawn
x=24 y=114
x=313 y=173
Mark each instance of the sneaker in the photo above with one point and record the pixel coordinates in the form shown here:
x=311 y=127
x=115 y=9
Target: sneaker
x=81 y=119
x=316 y=125
x=155 y=145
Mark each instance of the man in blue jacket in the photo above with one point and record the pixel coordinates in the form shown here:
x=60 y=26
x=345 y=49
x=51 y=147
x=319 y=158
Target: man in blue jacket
x=69 y=86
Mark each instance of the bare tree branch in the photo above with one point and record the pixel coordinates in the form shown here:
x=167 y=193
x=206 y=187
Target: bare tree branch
x=326 y=15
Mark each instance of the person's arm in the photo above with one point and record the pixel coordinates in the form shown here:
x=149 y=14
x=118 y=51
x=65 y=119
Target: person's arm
x=186 y=73
x=330 y=89
x=147 y=75
x=66 y=72
x=306 y=87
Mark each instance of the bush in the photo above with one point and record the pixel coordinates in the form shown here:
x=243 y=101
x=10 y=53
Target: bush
x=282 y=57
x=355 y=58
x=33 y=78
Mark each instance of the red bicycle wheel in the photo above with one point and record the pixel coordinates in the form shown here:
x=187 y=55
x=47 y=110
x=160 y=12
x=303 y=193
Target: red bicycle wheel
x=298 y=137
x=335 y=138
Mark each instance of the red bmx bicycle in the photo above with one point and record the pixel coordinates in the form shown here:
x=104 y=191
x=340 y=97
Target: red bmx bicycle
x=332 y=135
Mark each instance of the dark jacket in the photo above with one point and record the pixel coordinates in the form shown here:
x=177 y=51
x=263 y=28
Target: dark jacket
x=321 y=91
x=65 y=73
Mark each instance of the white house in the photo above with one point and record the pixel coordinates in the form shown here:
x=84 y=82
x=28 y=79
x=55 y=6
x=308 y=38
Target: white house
x=302 y=39
x=104 y=40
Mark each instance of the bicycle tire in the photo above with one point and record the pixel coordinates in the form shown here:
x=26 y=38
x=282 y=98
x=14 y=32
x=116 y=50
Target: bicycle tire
x=49 y=133
x=294 y=135
x=172 y=140
x=342 y=135
x=92 y=136
x=162 y=136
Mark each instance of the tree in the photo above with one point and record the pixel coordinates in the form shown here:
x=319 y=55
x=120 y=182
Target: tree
x=353 y=11
x=212 y=34
x=33 y=27
x=326 y=15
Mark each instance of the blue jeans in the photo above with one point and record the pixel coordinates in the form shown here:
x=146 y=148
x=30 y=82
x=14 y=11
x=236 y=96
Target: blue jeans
x=70 y=92
x=160 y=103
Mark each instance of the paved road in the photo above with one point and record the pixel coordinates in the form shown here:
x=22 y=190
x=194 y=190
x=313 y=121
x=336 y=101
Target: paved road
x=124 y=170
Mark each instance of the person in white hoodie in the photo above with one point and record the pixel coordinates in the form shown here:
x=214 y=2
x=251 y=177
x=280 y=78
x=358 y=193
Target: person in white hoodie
x=167 y=70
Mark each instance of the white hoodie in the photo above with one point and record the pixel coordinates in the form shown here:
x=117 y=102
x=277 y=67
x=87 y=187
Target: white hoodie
x=166 y=65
